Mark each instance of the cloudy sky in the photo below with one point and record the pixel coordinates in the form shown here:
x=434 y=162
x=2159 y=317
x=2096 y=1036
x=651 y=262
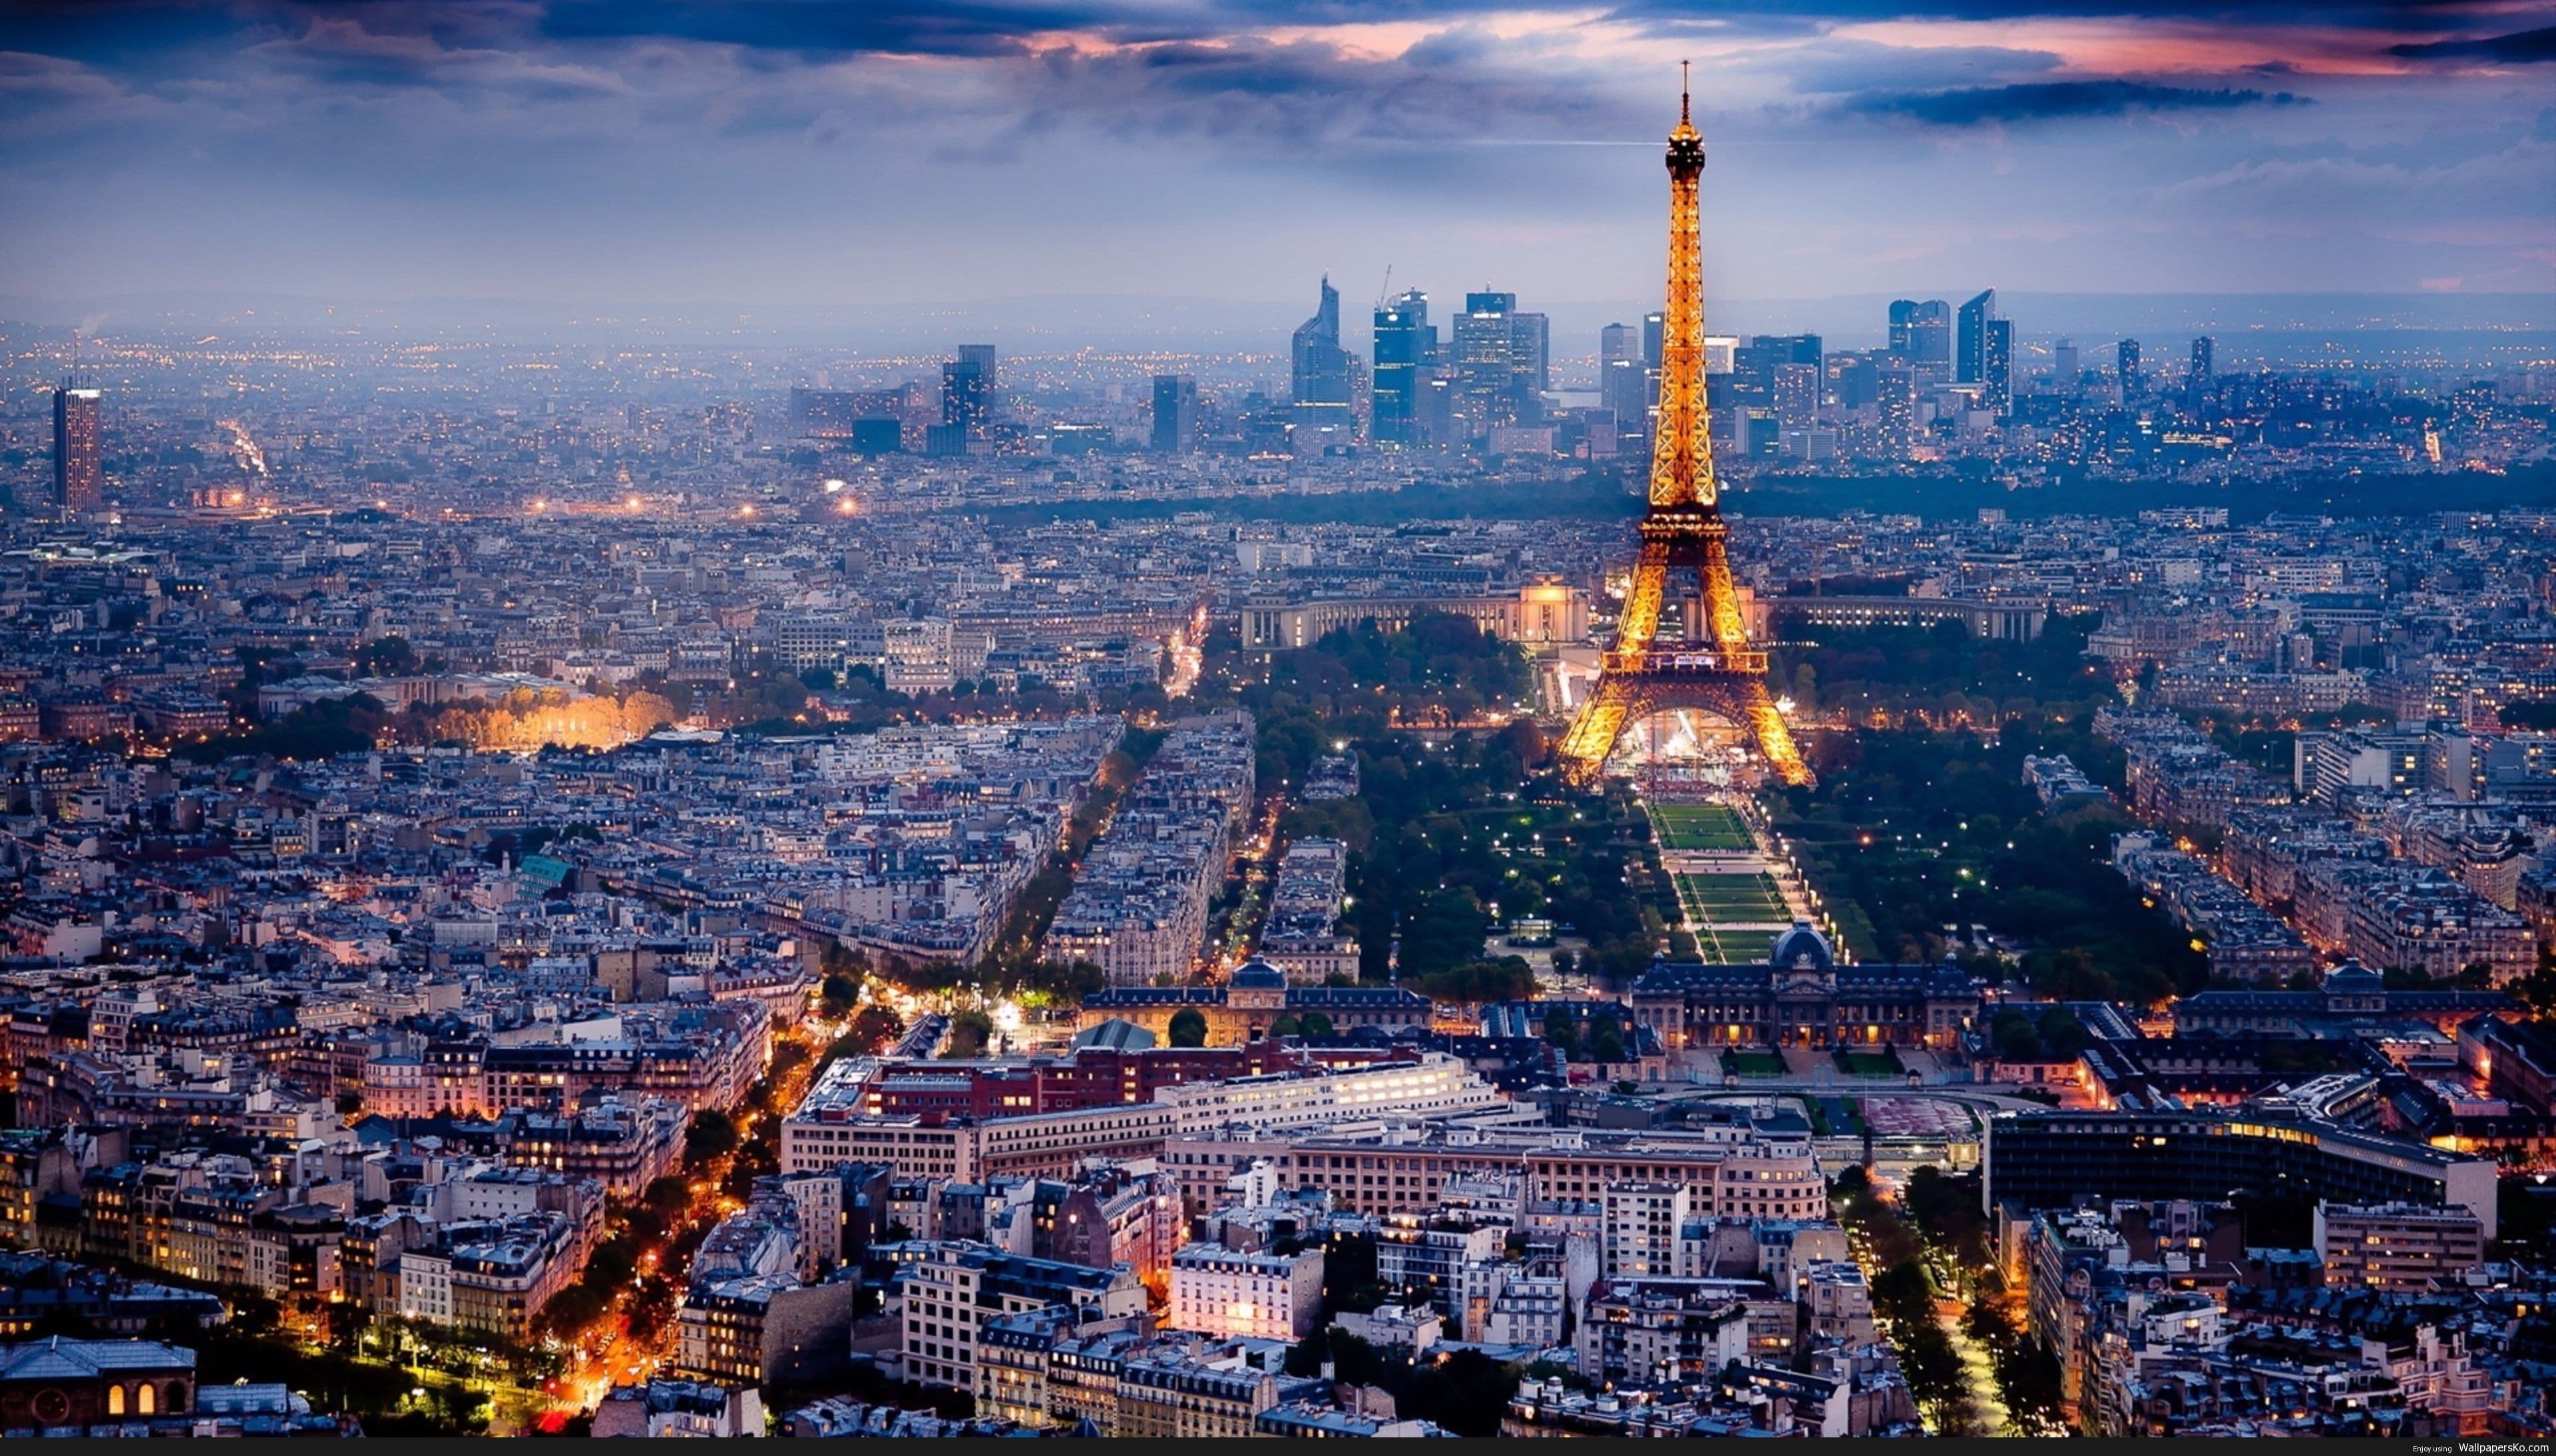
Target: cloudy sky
x=768 y=150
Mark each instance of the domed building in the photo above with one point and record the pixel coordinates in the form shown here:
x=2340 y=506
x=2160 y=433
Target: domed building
x=1801 y=996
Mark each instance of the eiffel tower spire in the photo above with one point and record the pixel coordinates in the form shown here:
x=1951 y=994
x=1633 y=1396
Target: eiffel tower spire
x=1722 y=675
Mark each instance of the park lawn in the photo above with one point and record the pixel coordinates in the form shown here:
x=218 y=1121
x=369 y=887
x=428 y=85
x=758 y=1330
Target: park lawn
x=1700 y=826
x=1752 y=1063
x=1723 y=899
x=1869 y=1063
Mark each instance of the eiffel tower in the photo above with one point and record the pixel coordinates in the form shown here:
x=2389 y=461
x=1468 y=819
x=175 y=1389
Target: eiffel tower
x=1721 y=674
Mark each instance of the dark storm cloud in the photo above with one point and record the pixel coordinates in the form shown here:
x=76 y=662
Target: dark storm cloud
x=1262 y=94
x=2057 y=101
x=1867 y=65
x=107 y=32
x=2521 y=48
x=2373 y=15
x=888 y=28
x=682 y=148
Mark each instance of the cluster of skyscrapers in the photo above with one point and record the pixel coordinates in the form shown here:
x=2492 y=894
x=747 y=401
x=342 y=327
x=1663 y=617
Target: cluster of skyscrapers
x=1487 y=384
x=1489 y=375
x=967 y=420
x=1488 y=379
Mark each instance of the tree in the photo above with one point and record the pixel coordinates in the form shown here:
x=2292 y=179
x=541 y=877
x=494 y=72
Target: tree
x=386 y=656
x=872 y=1028
x=1443 y=930
x=2063 y=1038
x=1606 y=1040
x=1188 y=1028
x=1562 y=1032
x=1287 y=1026
x=668 y=1196
x=713 y=1135
x=2016 y=1036
x=1316 y=1025
x=971 y=1032
x=836 y=996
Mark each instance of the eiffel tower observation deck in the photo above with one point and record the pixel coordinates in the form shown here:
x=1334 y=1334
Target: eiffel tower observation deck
x=1722 y=673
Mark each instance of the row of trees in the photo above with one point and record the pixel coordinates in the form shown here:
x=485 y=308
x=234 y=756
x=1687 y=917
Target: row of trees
x=1904 y=1299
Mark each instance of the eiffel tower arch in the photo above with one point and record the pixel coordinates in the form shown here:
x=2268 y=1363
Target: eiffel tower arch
x=1722 y=673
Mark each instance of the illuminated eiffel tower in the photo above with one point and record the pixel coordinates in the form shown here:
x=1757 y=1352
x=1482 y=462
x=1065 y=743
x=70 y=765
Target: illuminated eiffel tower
x=1721 y=674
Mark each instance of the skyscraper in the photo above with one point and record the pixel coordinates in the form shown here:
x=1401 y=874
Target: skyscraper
x=967 y=392
x=1406 y=352
x=1652 y=325
x=1533 y=333
x=1502 y=358
x=1622 y=380
x=1996 y=367
x=1896 y=390
x=2062 y=365
x=1174 y=414
x=78 y=482
x=2202 y=374
x=1618 y=343
x=1796 y=395
x=1921 y=335
x=1969 y=360
x=2133 y=381
x=1319 y=381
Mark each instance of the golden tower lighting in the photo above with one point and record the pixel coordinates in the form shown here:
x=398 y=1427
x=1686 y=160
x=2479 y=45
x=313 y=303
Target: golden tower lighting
x=1722 y=675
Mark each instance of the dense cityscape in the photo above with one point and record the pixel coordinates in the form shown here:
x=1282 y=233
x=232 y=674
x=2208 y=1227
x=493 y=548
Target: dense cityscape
x=642 y=877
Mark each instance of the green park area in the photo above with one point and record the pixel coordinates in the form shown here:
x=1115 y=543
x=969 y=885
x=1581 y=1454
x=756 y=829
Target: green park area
x=1700 y=826
x=1882 y=1063
x=1727 y=900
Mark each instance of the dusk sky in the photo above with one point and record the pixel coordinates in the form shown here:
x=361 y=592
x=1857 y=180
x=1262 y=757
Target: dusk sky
x=592 y=150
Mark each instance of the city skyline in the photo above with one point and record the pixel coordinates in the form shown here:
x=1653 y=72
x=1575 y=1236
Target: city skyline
x=776 y=155
x=1502 y=840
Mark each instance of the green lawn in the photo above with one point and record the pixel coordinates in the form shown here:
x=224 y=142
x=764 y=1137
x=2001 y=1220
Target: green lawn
x=1869 y=1063
x=1699 y=826
x=1723 y=899
x=1752 y=1063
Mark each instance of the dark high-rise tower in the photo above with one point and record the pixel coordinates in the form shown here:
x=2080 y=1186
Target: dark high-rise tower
x=1175 y=412
x=1969 y=358
x=1623 y=378
x=1319 y=377
x=1501 y=362
x=2202 y=371
x=79 y=480
x=1921 y=334
x=1722 y=673
x=1406 y=352
x=1996 y=367
x=966 y=395
x=2132 y=380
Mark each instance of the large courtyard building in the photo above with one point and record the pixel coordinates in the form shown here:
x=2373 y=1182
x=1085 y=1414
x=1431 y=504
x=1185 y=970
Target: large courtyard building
x=1802 y=995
